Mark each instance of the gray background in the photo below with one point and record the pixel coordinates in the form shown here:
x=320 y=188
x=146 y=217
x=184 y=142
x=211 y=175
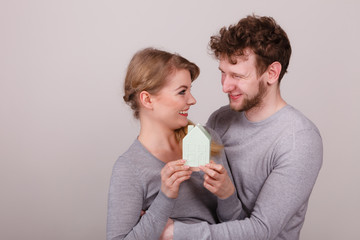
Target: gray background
x=63 y=122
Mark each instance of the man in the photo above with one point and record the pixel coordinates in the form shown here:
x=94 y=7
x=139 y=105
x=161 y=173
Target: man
x=274 y=151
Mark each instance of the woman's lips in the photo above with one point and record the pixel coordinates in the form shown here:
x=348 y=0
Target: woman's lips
x=184 y=113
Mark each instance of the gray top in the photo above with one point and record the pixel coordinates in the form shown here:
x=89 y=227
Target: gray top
x=135 y=186
x=274 y=164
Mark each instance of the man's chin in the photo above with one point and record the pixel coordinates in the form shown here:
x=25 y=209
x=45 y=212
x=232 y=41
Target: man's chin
x=236 y=107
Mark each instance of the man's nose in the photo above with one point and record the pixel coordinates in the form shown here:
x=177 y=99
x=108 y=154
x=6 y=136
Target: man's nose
x=227 y=84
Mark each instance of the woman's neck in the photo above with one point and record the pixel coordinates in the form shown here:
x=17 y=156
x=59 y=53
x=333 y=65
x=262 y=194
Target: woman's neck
x=160 y=142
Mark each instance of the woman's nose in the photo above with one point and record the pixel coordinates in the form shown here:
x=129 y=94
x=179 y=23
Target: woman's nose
x=191 y=100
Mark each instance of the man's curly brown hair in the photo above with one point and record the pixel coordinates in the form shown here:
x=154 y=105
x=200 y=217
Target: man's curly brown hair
x=262 y=35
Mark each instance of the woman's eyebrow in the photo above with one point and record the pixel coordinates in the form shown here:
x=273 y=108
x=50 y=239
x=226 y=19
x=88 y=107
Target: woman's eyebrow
x=182 y=86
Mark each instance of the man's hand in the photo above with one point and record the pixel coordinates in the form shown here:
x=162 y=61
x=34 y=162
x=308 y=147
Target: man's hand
x=168 y=233
x=217 y=180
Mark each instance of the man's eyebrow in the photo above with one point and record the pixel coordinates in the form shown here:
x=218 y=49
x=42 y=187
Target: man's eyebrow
x=233 y=73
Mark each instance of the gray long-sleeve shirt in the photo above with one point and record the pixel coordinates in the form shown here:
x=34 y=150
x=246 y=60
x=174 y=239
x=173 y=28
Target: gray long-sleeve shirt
x=274 y=164
x=135 y=186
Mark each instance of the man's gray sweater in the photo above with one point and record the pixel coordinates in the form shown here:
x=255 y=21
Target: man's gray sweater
x=274 y=164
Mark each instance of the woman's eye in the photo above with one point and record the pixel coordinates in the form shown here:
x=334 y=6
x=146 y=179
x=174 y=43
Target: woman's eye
x=182 y=92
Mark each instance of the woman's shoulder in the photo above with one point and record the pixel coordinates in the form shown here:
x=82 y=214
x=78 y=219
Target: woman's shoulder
x=129 y=160
x=138 y=160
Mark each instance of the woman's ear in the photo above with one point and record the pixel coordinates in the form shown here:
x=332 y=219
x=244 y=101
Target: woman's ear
x=273 y=72
x=145 y=99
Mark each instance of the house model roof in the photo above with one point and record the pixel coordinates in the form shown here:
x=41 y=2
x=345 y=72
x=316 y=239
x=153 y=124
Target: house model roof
x=196 y=146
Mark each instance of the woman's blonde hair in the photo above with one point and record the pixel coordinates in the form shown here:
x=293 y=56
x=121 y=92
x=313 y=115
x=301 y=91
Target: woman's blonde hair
x=148 y=71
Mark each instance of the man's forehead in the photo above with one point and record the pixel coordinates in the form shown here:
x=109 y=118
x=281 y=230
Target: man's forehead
x=241 y=56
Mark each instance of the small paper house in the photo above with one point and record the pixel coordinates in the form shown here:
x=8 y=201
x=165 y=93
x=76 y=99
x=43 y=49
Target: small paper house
x=196 y=146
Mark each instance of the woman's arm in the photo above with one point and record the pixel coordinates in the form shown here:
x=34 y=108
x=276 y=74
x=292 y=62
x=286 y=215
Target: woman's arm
x=126 y=198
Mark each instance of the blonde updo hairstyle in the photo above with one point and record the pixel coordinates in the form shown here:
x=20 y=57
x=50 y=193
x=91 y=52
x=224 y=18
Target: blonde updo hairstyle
x=149 y=70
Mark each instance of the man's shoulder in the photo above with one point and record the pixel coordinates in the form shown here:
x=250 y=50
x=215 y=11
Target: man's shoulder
x=299 y=119
x=296 y=120
x=221 y=114
x=221 y=119
x=223 y=110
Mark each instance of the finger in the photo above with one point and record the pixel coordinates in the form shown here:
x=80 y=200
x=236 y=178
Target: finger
x=209 y=187
x=210 y=172
x=177 y=162
x=217 y=167
x=179 y=180
x=175 y=168
x=174 y=165
x=175 y=185
x=169 y=169
x=170 y=181
x=217 y=184
x=195 y=169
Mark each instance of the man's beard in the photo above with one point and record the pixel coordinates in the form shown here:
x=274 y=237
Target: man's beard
x=253 y=102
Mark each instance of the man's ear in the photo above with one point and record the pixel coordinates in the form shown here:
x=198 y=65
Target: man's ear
x=273 y=70
x=145 y=99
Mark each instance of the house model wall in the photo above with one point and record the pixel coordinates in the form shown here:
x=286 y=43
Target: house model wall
x=196 y=146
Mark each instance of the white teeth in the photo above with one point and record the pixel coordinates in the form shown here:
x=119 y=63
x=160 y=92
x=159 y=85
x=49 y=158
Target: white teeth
x=183 y=112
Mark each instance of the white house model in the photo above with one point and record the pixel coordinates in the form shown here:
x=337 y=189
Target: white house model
x=196 y=146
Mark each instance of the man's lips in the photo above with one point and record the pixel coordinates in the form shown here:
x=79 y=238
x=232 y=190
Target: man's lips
x=234 y=97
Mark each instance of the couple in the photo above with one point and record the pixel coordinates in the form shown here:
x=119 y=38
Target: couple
x=257 y=186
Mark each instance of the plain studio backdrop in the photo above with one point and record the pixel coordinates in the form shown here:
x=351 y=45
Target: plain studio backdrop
x=63 y=122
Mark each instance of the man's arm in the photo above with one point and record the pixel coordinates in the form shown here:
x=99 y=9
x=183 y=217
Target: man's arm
x=218 y=180
x=285 y=192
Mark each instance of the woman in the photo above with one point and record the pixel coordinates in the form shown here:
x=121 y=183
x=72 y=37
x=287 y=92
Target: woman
x=148 y=175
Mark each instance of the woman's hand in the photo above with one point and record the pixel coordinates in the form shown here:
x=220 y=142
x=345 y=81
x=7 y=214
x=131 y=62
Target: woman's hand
x=217 y=180
x=172 y=175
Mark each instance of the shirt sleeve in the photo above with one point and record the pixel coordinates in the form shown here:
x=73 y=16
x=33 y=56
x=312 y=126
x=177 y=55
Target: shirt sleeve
x=230 y=208
x=125 y=205
x=287 y=189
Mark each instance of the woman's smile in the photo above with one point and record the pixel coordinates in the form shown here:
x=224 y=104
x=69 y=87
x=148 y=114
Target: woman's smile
x=184 y=112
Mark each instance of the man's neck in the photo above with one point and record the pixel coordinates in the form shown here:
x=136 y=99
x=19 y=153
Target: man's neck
x=269 y=107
